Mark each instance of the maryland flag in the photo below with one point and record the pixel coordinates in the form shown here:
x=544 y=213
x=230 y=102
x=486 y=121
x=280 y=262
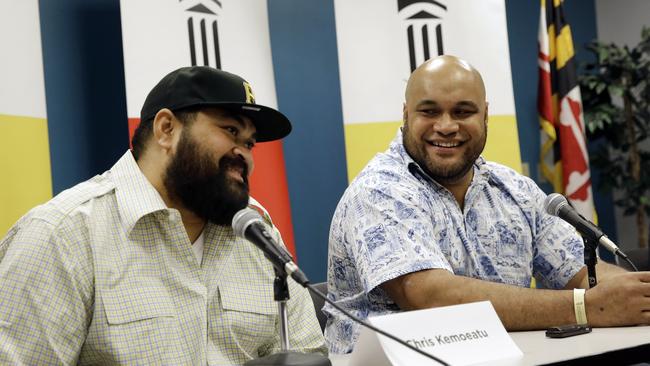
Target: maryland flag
x=564 y=160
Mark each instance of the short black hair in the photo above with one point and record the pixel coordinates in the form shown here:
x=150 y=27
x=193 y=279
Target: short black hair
x=144 y=131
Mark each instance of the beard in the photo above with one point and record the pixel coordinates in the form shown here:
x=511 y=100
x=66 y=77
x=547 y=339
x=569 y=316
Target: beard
x=443 y=172
x=203 y=186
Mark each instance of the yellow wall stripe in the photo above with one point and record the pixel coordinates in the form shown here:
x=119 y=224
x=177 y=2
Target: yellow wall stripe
x=364 y=140
x=25 y=167
x=503 y=142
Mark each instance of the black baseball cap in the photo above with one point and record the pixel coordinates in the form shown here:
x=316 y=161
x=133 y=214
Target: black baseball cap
x=206 y=86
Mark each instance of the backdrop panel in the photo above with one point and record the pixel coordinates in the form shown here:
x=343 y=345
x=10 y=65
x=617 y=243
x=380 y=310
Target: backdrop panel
x=24 y=149
x=381 y=42
x=162 y=35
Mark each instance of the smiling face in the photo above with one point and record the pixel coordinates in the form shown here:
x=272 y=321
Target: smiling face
x=445 y=119
x=209 y=171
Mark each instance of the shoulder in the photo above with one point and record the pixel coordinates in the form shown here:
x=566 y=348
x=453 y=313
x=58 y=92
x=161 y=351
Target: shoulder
x=383 y=167
x=505 y=174
x=65 y=213
x=509 y=179
x=53 y=240
x=385 y=176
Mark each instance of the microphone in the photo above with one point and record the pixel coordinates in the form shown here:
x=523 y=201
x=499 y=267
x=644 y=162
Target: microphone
x=557 y=205
x=248 y=224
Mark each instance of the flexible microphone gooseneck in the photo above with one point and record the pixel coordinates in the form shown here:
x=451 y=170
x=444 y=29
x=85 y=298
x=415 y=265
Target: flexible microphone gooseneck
x=248 y=224
x=557 y=205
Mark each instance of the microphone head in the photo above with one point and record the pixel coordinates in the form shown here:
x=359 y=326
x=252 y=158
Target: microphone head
x=554 y=202
x=243 y=219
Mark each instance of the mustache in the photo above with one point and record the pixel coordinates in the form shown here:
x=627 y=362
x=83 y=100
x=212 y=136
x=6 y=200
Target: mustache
x=228 y=162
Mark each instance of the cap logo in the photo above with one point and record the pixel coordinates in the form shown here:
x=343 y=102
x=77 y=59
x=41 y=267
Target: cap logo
x=250 y=97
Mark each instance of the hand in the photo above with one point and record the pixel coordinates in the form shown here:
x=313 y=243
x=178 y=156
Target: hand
x=624 y=299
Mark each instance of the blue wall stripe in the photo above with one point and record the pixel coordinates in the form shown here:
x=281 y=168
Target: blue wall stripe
x=303 y=39
x=84 y=87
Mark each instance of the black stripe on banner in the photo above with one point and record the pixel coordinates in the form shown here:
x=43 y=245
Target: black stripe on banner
x=439 y=39
x=409 y=34
x=204 y=44
x=217 y=53
x=190 y=32
x=425 y=41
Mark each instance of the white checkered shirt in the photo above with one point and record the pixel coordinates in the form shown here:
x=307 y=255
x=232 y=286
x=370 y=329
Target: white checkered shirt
x=104 y=274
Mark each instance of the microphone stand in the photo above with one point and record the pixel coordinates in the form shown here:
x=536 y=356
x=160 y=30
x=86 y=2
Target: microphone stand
x=590 y=260
x=286 y=357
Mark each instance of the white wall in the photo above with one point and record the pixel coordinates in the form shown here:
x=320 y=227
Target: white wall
x=620 y=22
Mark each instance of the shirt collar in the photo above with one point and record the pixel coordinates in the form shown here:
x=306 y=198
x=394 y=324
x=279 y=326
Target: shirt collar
x=136 y=196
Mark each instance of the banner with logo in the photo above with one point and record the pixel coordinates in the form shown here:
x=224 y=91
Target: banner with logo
x=381 y=42
x=24 y=145
x=162 y=35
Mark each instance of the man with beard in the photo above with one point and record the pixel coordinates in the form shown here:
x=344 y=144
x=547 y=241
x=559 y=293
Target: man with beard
x=429 y=223
x=140 y=265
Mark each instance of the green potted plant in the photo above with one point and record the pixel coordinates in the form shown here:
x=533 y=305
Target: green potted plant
x=616 y=99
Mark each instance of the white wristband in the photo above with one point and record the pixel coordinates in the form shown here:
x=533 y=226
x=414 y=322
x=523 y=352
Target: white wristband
x=579 y=305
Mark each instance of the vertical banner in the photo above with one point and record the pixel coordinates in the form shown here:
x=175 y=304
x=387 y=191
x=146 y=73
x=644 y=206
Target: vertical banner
x=564 y=160
x=381 y=42
x=162 y=35
x=24 y=146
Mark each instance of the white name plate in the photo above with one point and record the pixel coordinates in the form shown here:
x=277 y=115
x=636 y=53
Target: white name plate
x=459 y=335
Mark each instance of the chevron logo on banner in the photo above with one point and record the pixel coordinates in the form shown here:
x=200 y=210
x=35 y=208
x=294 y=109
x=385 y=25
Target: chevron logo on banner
x=423 y=21
x=202 y=20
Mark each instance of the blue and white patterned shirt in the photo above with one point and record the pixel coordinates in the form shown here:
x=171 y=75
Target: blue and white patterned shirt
x=393 y=219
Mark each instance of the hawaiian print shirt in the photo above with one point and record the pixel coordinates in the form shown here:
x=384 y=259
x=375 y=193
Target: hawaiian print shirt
x=394 y=219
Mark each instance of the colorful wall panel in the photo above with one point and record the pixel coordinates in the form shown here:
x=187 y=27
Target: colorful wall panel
x=381 y=42
x=24 y=146
x=227 y=34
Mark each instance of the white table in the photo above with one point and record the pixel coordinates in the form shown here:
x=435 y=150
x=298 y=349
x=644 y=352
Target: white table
x=538 y=349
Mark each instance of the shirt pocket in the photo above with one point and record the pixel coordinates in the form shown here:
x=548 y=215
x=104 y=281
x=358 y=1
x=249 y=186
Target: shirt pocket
x=141 y=324
x=126 y=305
x=250 y=316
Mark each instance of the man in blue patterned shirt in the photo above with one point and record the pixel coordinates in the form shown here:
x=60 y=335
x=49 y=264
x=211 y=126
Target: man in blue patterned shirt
x=430 y=223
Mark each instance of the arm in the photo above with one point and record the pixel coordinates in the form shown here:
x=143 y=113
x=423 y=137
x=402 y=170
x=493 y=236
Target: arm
x=604 y=271
x=619 y=298
x=519 y=308
x=623 y=299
